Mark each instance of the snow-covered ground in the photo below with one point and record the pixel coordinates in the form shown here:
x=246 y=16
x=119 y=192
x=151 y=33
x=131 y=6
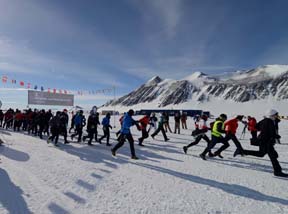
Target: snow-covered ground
x=37 y=177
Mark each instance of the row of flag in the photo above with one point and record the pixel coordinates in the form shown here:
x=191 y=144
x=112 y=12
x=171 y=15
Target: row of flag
x=54 y=90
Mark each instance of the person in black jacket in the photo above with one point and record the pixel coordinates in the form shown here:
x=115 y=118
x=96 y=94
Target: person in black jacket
x=40 y=122
x=93 y=122
x=55 y=124
x=64 y=118
x=267 y=138
x=48 y=116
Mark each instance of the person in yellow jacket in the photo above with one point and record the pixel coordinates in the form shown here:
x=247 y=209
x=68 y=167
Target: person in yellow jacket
x=216 y=134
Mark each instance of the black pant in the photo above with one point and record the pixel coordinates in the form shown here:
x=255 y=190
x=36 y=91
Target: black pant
x=197 y=140
x=214 y=141
x=254 y=134
x=40 y=131
x=160 y=128
x=232 y=137
x=106 y=131
x=121 y=141
x=266 y=148
x=144 y=136
x=78 y=132
x=91 y=133
x=55 y=135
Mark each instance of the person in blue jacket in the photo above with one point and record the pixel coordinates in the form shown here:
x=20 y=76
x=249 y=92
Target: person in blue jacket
x=80 y=122
x=125 y=133
x=106 y=129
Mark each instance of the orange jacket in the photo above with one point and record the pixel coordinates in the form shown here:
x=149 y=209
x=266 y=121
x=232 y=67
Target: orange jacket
x=231 y=126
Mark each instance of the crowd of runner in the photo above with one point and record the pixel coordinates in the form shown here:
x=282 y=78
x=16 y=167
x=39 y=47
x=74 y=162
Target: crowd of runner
x=264 y=134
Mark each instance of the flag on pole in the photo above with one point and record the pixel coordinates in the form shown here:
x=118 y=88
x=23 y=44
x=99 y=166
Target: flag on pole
x=42 y=88
x=35 y=87
x=13 y=81
x=28 y=85
x=22 y=83
x=54 y=90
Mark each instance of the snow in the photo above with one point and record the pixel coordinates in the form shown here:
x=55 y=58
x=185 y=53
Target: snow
x=153 y=81
x=267 y=71
x=37 y=177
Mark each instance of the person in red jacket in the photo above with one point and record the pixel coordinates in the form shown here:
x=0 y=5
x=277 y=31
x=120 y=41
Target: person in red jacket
x=230 y=129
x=252 y=127
x=144 y=121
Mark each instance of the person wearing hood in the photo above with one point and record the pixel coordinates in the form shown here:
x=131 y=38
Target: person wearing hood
x=267 y=139
x=125 y=133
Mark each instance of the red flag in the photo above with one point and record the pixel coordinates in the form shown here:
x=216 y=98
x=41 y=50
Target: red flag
x=60 y=91
x=48 y=90
x=28 y=85
x=22 y=83
x=54 y=90
x=4 y=79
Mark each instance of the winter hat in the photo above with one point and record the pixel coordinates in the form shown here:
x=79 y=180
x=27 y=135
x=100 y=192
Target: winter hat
x=223 y=116
x=131 y=112
x=239 y=117
x=271 y=112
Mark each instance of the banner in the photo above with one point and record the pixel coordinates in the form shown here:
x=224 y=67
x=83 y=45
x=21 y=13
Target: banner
x=46 y=98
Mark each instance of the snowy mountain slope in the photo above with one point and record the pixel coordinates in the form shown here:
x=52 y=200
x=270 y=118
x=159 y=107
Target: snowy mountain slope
x=36 y=177
x=270 y=81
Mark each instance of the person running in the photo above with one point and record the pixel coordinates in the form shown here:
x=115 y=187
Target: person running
x=55 y=124
x=48 y=116
x=200 y=133
x=72 y=122
x=276 y=122
x=231 y=128
x=64 y=118
x=161 y=128
x=128 y=121
x=267 y=138
x=93 y=122
x=1 y=117
x=216 y=134
x=120 y=121
x=144 y=121
x=153 y=122
x=80 y=122
x=106 y=129
x=252 y=128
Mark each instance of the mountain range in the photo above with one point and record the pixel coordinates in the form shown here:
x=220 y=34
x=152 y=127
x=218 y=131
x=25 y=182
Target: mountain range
x=269 y=81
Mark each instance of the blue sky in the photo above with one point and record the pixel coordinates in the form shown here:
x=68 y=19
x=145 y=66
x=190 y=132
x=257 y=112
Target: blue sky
x=94 y=44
